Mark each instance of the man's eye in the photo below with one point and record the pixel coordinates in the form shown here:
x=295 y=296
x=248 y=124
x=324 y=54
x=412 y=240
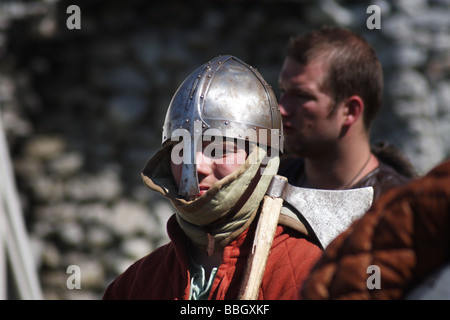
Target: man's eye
x=217 y=152
x=303 y=96
x=230 y=148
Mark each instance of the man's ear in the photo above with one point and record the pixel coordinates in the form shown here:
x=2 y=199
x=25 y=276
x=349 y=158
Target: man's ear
x=353 y=110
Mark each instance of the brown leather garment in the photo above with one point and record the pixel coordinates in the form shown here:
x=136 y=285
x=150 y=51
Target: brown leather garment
x=406 y=234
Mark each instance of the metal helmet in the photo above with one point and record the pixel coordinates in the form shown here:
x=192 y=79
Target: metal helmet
x=226 y=97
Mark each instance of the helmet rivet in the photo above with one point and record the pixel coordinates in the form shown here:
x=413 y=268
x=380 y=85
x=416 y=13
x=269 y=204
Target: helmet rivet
x=187 y=120
x=254 y=128
x=201 y=97
x=226 y=123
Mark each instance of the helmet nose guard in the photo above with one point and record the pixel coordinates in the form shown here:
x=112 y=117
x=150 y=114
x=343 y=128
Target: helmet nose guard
x=223 y=97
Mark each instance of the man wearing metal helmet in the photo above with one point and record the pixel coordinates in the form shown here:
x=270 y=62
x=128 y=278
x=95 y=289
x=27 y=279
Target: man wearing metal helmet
x=220 y=150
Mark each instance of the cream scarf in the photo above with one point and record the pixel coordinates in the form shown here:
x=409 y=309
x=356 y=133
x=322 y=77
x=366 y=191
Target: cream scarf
x=226 y=209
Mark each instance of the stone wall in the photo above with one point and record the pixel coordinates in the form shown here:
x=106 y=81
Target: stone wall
x=83 y=109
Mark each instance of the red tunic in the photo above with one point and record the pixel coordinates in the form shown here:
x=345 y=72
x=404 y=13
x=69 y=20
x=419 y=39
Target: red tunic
x=164 y=274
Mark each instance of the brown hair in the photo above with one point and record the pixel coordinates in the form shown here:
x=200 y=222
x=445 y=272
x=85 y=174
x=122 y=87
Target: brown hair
x=353 y=66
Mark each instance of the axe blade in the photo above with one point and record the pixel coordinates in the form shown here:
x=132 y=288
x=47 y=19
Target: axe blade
x=329 y=212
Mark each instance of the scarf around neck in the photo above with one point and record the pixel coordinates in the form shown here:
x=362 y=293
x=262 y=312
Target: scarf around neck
x=226 y=209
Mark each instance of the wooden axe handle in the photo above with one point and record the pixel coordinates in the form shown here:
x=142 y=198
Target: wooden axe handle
x=256 y=264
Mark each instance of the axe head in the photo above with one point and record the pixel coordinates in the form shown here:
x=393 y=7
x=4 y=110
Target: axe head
x=327 y=212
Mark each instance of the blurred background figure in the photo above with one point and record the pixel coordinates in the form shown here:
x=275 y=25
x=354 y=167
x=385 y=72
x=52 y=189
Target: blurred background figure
x=331 y=88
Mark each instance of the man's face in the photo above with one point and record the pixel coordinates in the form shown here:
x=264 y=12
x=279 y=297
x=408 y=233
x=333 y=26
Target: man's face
x=309 y=128
x=215 y=161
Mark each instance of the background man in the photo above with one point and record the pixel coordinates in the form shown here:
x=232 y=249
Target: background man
x=331 y=86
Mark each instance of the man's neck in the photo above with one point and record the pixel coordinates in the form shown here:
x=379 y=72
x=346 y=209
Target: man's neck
x=200 y=257
x=340 y=169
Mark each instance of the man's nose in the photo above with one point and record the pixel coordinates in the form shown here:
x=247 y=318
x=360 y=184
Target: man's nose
x=284 y=107
x=203 y=163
